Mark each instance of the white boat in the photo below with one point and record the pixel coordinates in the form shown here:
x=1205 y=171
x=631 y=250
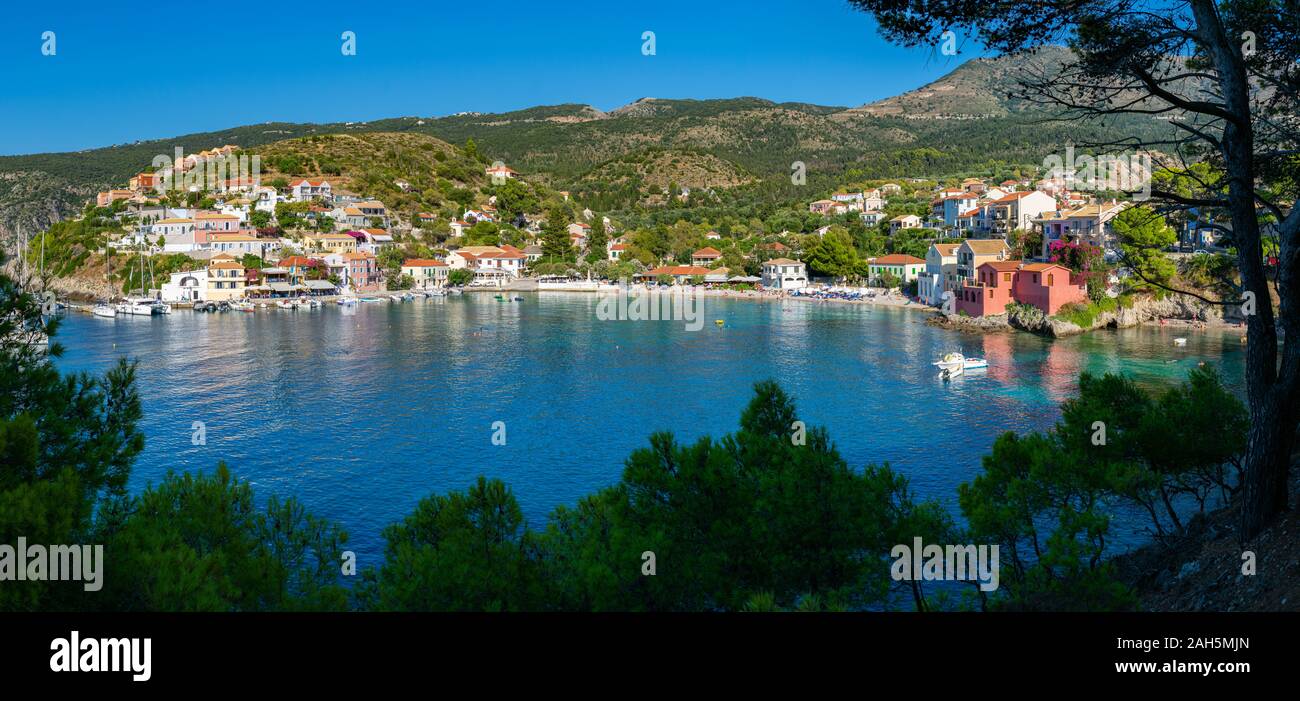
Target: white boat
x=138 y=306
x=240 y=306
x=104 y=310
x=1180 y=341
x=346 y=301
x=286 y=304
x=950 y=372
x=961 y=362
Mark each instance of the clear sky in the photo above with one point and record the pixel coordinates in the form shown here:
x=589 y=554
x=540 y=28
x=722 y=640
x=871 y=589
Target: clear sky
x=127 y=72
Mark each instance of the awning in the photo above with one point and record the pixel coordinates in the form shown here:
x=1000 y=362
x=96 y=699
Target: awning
x=258 y=288
x=281 y=287
x=320 y=285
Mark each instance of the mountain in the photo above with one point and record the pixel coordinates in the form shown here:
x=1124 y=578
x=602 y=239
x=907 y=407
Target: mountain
x=980 y=88
x=966 y=123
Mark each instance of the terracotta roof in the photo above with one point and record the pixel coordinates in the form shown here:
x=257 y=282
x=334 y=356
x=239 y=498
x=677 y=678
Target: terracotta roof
x=707 y=252
x=1015 y=196
x=983 y=247
x=1040 y=267
x=897 y=259
x=782 y=261
x=1002 y=265
x=679 y=270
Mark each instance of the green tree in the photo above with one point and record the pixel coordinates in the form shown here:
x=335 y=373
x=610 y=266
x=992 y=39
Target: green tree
x=1143 y=237
x=198 y=543
x=597 y=240
x=556 y=242
x=464 y=551
x=459 y=277
x=833 y=255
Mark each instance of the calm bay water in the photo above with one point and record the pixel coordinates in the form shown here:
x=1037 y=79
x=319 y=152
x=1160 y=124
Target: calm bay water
x=360 y=412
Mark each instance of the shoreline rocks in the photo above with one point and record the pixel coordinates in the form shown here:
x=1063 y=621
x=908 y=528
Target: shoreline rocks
x=1144 y=310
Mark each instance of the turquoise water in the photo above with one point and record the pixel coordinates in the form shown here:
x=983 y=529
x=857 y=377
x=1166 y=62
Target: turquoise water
x=360 y=412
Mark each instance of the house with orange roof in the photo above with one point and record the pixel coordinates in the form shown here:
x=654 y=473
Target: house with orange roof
x=216 y=222
x=500 y=172
x=303 y=190
x=706 y=256
x=107 y=198
x=904 y=267
x=904 y=221
x=1047 y=286
x=1017 y=210
x=426 y=272
x=360 y=271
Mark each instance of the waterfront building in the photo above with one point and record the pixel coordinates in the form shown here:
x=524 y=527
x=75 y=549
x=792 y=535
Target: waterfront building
x=1047 y=286
x=904 y=267
x=784 y=274
x=940 y=273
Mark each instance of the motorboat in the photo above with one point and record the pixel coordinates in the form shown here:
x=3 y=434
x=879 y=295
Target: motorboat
x=241 y=306
x=1180 y=341
x=346 y=301
x=287 y=304
x=950 y=372
x=139 y=306
x=957 y=360
x=105 y=310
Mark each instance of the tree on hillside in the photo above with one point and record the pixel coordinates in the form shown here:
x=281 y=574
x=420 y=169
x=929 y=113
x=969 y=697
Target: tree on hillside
x=597 y=240
x=1143 y=236
x=1227 y=75
x=514 y=198
x=833 y=255
x=556 y=243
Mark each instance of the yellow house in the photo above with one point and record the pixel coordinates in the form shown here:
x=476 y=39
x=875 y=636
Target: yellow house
x=225 y=279
x=426 y=272
x=331 y=243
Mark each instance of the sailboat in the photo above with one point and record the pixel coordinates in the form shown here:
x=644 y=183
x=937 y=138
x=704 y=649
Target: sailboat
x=142 y=305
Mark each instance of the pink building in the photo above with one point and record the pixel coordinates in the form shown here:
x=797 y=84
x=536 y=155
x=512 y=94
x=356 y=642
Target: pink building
x=361 y=272
x=1048 y=286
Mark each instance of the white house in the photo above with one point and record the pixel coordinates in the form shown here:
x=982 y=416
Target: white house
x=940 y=273
x=172 y=228
x=186 y=286
x=311 y=189
x=1017 y=210
x=784 y=274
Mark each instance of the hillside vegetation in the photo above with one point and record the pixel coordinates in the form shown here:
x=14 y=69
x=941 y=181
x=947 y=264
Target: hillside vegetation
x=374 y=164
x=969 y=122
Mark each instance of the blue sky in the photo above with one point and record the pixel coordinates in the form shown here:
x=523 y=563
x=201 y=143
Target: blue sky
x=150 y=72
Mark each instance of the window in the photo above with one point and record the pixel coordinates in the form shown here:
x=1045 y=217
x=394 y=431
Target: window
x=1006 y=277
x=1049 y=279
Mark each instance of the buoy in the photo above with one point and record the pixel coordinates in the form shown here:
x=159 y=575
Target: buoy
x=719 y=322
